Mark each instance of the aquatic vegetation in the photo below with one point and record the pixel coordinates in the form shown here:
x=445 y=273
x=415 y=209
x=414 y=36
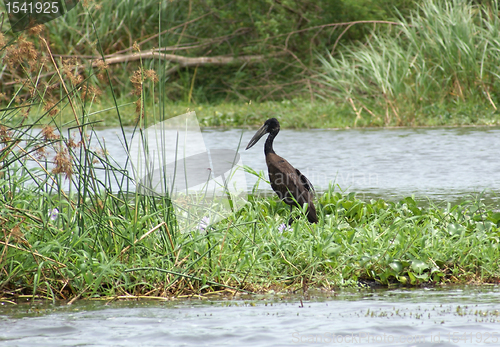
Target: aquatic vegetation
x=118 y=245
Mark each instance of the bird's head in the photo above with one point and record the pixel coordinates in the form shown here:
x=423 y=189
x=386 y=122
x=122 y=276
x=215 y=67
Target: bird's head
x=271 y=126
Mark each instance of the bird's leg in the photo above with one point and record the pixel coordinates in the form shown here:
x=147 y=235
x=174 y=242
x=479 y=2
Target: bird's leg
x=291 y=219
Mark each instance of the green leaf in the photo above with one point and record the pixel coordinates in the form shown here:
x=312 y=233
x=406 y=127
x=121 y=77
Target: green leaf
x=455 y=229
x=413 y=279
x=332 y=251
x=495 y=218
x=419 y=266
x=397 y=266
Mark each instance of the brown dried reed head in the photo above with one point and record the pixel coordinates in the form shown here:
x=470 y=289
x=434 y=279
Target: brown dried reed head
x=17 y=235
x=87 y=3
x=49 y=106
x=70 y=68
x=89 y=92
x=72 y=144
x=36 y=30
x=48 y=134
x=41 y=152
x=102 y=67
x=140 y=76
x=63 y=163
x=151 y=75
x=5 y=134
x=21 y=51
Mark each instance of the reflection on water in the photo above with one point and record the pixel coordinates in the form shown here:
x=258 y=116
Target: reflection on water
x=453 y=316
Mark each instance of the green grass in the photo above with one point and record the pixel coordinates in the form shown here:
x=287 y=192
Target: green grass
x=107 y=245
x=292 y=114
x=441 y=66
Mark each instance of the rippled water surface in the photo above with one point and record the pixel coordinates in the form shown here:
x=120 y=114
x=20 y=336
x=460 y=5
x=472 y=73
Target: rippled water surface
x=439 y=163
x=466 y=316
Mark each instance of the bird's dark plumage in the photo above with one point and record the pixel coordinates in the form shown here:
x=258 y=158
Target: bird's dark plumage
x=289 y=183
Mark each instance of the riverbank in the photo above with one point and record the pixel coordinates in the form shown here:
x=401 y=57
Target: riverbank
x=111 y=246
x=292 y=114
x=398 y=76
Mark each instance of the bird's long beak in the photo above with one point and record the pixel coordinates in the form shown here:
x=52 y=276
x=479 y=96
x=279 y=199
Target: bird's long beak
x=261 y=132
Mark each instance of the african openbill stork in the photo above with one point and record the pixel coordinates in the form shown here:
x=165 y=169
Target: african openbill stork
x=289 y=183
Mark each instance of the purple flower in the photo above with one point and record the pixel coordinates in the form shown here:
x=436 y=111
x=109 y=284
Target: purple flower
x=284 y=227
x=204 y=222
x=53 y=214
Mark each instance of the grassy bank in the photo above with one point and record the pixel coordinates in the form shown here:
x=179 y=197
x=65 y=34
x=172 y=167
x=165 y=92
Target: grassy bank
x=292 y=114
x=435 y=66
x=440 y=63
x=112 y=245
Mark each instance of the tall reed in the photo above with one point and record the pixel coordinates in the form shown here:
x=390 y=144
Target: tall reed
x=445 y=57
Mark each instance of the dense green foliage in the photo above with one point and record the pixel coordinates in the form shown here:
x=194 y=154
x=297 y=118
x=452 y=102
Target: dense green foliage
x=288 y=33
x=436 y=63
x=442 y=63
x=111 y=245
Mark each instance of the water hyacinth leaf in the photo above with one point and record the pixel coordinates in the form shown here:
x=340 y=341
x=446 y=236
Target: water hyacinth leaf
x=436 y=270
x=397 y=266
x=484 y=226
x=412 y=277
x=364 y=260
x=411 y=205
x=436 y=276
x=423 y=277
x=473 y=208
x=495 y=218
x=402 y=279
x=419 y=266
x=455 y=229
x=385 y=275
x=478 y=218
x=347 y=204
x=409 y=202
x=332 y=250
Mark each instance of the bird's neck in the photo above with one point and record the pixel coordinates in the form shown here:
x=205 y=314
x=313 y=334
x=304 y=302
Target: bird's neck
x=268 y=147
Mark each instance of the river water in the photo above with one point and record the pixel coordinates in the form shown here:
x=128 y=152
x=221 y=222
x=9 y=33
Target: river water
x=430 y=163
x=456 y=316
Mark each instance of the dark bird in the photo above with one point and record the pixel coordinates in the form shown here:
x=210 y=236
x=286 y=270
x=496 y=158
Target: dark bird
x=289 y=183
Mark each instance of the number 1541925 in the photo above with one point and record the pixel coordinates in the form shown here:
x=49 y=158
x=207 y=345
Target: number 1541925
x=31 y=8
